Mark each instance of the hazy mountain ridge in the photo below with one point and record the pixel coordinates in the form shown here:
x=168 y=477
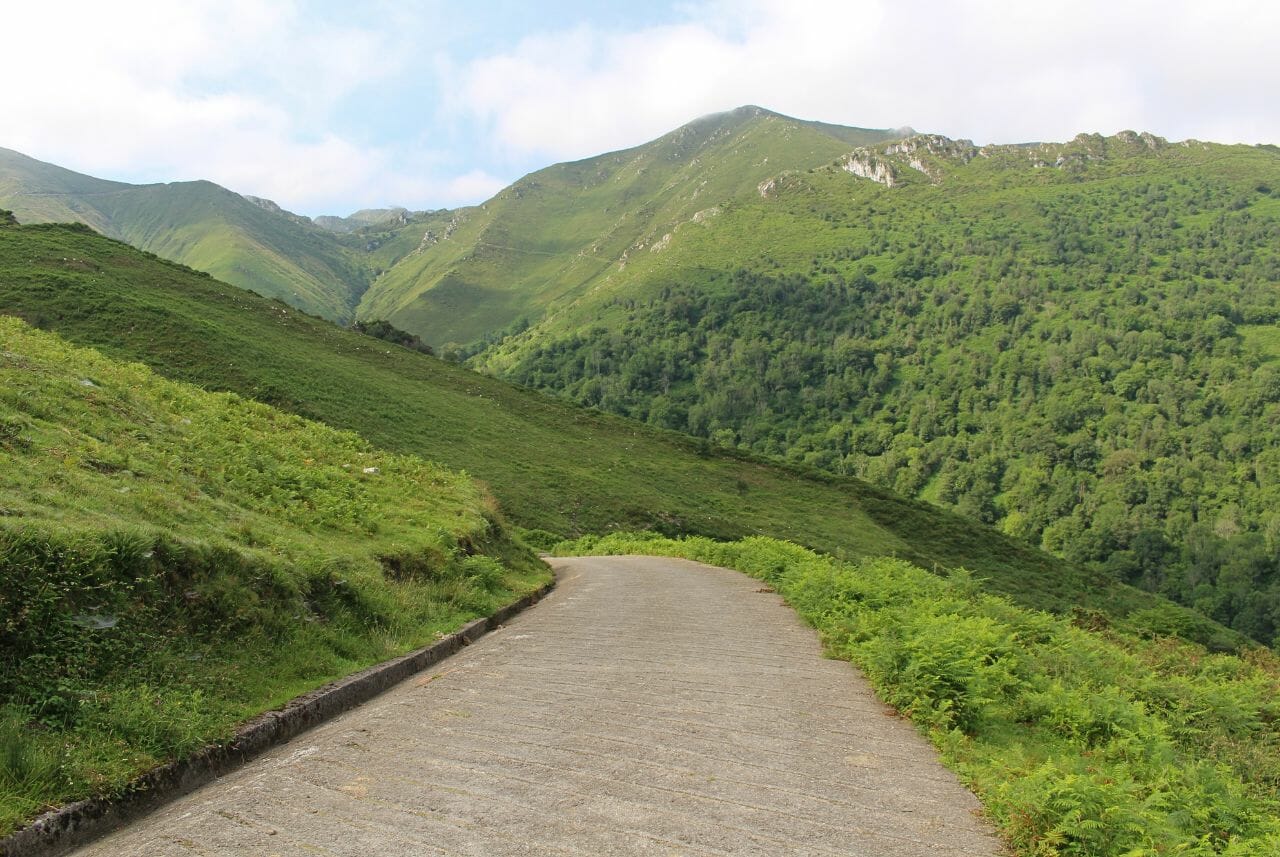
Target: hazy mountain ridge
x=408 y=266
x=246 y=241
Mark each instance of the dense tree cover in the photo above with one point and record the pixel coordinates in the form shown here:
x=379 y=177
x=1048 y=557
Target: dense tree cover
x=1089 y=369
x=382 y=329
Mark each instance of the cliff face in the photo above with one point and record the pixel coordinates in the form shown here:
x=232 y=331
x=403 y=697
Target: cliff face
x=932 y=154
x=867 y=164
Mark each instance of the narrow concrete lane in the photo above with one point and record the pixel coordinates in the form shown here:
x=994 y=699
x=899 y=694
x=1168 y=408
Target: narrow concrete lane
x=648 y=706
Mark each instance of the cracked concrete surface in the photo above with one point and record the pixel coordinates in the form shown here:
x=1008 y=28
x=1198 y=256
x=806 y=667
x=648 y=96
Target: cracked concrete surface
x=647 y=706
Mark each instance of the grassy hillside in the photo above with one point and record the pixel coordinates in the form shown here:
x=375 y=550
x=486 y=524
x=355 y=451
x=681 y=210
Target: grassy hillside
x=553 y=466
x=175 y=561
x=256 y=246
x=550 y=236
x=1072 y=342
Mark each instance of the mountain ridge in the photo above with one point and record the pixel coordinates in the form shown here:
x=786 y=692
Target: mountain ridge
x=251 y=243
x=502 y=264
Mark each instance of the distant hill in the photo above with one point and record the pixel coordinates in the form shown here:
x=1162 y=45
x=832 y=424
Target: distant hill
x=390 y=217
x=250 y=243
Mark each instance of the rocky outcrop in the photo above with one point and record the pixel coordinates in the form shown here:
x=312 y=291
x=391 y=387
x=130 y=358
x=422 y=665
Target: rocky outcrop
x=867 y=164
x=1144 y=140
x=925 y=153
x=932 y=154
x=917 y=148
x=431 y=237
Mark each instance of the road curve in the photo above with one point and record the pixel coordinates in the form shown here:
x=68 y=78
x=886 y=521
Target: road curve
x=647 y=706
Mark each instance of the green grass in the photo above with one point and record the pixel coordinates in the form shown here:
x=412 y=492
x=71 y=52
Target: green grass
x=553 y=467
x=1080 y=738
x=176 y=561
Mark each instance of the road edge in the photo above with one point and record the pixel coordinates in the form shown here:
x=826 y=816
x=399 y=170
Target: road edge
x=58 y=831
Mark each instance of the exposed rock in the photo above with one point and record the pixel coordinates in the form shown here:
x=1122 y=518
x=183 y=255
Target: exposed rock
x=936 y=145
x=268 y=205
x=923 y=153
x=1145 y=139
x=706 y=214
x=866 y=164
x=430 y=238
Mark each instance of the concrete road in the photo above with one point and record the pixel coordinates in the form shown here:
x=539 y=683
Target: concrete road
x=648 y=706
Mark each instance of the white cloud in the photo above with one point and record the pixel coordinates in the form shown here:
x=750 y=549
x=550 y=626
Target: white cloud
x=327 y=107
x=234 y=91
x=472 y=186
x=994 y=71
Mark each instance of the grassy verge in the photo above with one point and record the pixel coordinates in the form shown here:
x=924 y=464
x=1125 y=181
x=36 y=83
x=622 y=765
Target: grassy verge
x=1079 y=738
x=175 y=561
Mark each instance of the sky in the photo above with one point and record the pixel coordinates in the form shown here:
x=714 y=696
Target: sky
x=329 y=107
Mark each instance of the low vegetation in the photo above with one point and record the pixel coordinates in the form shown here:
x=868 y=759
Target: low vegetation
x=388 y=332
x=1080 y=738
x=175 y=561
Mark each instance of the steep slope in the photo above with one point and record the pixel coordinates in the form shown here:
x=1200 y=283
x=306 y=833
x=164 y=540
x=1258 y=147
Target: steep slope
x=175 y=561
x=554 y=234
x=251 y=244
x=1075 y=342
x=554 y=467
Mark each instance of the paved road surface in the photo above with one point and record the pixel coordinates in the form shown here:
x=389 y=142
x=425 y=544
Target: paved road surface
x=648 y=706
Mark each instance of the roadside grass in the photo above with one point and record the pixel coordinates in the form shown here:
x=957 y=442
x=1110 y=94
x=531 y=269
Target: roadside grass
x=1080 y=738
x=175 y=562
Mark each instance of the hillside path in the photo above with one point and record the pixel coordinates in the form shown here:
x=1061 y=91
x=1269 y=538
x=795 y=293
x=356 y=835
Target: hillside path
x=647 y=706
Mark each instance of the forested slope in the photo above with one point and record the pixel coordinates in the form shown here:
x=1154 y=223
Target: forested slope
x=1075 y=342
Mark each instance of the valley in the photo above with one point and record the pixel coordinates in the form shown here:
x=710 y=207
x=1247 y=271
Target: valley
x=999 y=421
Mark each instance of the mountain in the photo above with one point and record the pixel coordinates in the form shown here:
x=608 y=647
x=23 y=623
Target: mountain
x=557 y=469
x=1074 y=342
x=248 y=242
x=554 y=234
